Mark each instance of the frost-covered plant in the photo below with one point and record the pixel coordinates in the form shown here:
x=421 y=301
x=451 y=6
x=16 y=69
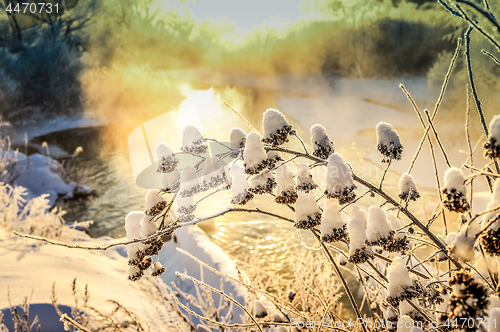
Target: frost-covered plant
x=408 y=188
x=359 y=252
x=254 y=155
x=454 y=193
x=193 y=141
x=400 y=284
x=490 y=238
x=305 y=181
x=321 y=142
x=285 y=192
x=388 y=143
x=190 y=183
x=333 y=227
x=492 y=146
x=213 y=173
x=378 y=230
x=239 y=186
x=263 y=183
x=307 y=212
x=238 y=137
x=167 y=162
x=468 y=300
x=339 y=183
x=276 y=128
x=400 y=242
x=273 y=158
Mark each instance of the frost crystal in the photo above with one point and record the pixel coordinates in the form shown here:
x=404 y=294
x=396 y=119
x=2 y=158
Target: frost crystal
x=321 y=142
x=193 y=141
x=492 y=146
x=339 y=184
x=378 y=230
x=263 y=183
x=388 y=143
x=307 y=212
x=259 y=309
x=454 y=193
x=358 y=251
x=400 y=284
x=286 y=193
x=165 y=158
x=408 y=188
x=276 y=128
x=213 y=173
x=239 y=186
x=333 y=227
x=304 y=179
x=190 y=182
x=254 y=155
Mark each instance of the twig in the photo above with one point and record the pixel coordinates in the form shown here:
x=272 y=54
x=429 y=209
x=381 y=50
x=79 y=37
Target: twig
x=385 y=172
x=473 y=87
x=242 y=117
x=223 y=294
x=475 y=25
x=491 y=56
x=437 y=138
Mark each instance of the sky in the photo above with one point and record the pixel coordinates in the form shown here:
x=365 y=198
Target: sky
x=244 y=12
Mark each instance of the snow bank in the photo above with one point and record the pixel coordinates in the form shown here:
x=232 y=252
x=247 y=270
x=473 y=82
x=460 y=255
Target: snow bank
x=43 y=175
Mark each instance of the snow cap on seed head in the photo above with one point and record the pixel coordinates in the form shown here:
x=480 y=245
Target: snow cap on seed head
x=263 y=183
x=239 y=185
x=237 y=138
x=408 y=188
x=333 y=227
x=153 y=198
x=193 y=140
x=305 y=181
x=321 y=142
x=285 y=193
x=276 y=127
x=454 y=193
x=307 y=212
x=190 y=182
x=339 y=183
x=358 y=251
x=388 y=142
x=259 y=309
x=359 y=213
x=254 y=155
x=132 y=228
x=165 y=158
x=213 y=173
x=378 y=229
x=400 y=283
x=492 y=146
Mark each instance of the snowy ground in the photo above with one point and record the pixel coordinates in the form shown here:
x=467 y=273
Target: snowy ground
x=29 y=266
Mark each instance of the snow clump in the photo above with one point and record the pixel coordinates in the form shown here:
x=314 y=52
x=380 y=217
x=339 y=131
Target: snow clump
x=165 y=158
x=259 y=309
x=307 y=212
x=276 y=128
x=286 y=193
x=358 y=251
x=333 y=227
x=388 y=143
x=378 y=229
x=400 y=284
x=254 y=155
x=305 y=181
x=321 y=142
x=239 y=186
x=193 y=141
x=339 y=183
x=492 y=146
x=454 y=193
x=408 y=188
x=263 y=183
x=190 y=182
x=490 y=239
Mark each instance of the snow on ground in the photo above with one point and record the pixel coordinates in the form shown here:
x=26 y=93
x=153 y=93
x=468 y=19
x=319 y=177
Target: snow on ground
x=42 y=175
x=33 y=266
